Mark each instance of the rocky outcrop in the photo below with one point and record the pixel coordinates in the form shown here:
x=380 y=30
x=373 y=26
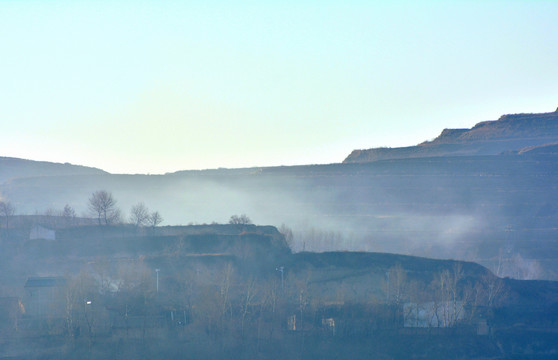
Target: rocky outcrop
x=510 y=133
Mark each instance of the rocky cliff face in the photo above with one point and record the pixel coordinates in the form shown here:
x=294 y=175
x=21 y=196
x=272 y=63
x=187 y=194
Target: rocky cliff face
x=510 y=133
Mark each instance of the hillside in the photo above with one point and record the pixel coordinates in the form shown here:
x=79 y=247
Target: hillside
x=253 y=251
x=510 y=133
x=77 y=246
x=214 y=290
x=13 y=168
x=478 y=208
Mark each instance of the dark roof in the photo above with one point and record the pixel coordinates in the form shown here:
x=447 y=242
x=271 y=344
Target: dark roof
x=6 y=301
x=46 y=281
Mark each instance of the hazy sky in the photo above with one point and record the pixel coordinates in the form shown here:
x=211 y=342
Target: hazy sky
x=159 y=86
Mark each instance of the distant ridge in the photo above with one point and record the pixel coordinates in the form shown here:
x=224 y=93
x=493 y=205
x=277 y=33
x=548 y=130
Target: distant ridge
x=13 y=168
x=509 y=134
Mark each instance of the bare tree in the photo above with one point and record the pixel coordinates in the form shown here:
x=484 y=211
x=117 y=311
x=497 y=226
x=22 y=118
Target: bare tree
x=287 y=232
x=51 y=218
x=224 y=291
x=80 y=299
x=246 y=302
x=69 y=215
x=139 y=215
x=396 y=284
x=299 y=295
x=103 y=205
x=155 y=219
x=115 y=217
x=270 y=304
x=495 y=289
x=214 y=303
x=448 y=304
x=51 y=212
x=240 y=220
x=56 y=218
x=7 y=210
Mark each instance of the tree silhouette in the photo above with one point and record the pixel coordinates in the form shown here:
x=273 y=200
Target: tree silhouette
x=240 y=220
x=103 y=205
x=7 y=210
x=139 y=215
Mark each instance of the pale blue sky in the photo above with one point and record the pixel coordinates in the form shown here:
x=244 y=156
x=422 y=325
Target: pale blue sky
x=154 y=87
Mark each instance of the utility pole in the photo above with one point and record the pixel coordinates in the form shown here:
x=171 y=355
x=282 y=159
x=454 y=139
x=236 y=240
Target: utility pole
x=281 y=269
x=157 y=271
x=85 y=304
x=387 y=275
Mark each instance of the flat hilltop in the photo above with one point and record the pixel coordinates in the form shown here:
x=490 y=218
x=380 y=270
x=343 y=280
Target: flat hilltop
x=510 y=133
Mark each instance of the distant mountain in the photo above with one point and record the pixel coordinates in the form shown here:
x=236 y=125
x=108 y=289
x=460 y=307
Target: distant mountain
x=510 y=133
x=13 y=168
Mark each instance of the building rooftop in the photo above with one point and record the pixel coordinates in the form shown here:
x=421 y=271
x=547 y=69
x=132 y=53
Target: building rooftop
x=45 y=281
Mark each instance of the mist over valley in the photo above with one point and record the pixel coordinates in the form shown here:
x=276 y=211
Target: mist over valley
x=484 y=208
x=293 y=261
x=345 y=180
